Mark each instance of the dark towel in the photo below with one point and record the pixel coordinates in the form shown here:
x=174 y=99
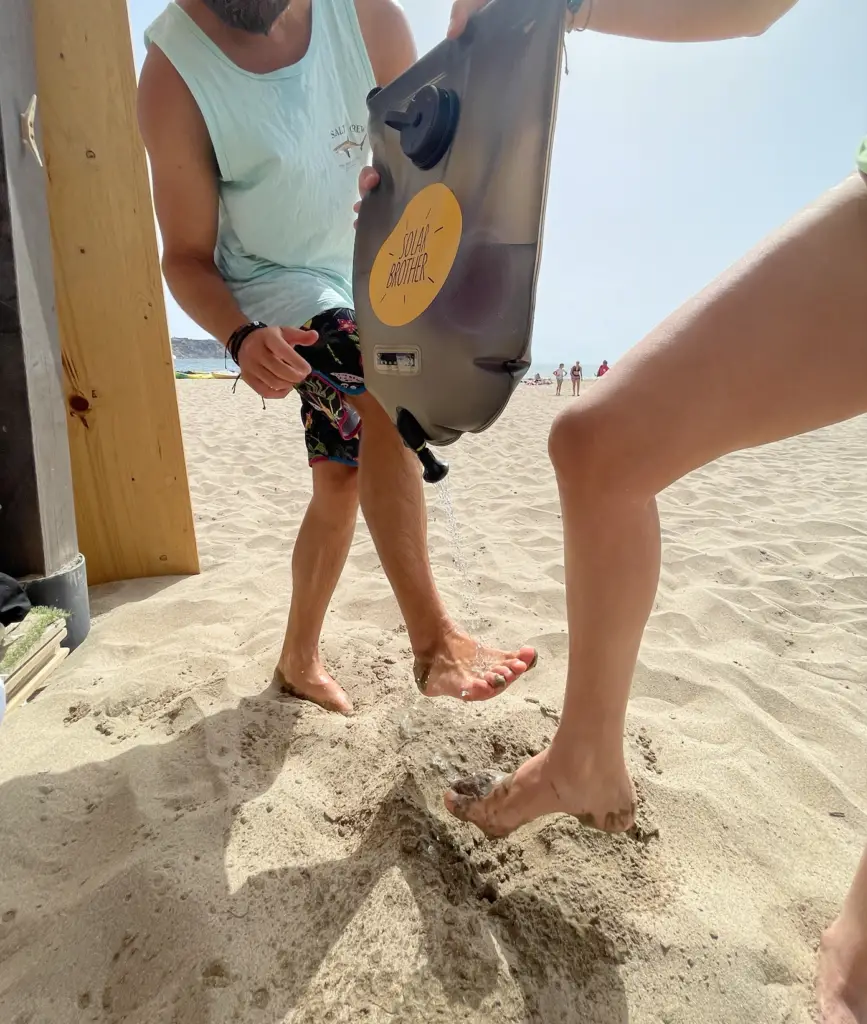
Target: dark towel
x=14 y=603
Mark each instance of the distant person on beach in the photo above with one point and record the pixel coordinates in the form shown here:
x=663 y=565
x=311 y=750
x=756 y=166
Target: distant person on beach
x=560 y=376
x=603 y=369
x=254 y=116
x=575 y=375
x=669 y=410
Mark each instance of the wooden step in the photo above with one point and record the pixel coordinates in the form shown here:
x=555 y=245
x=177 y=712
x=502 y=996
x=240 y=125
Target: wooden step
x=23 y=679
x=37 y=682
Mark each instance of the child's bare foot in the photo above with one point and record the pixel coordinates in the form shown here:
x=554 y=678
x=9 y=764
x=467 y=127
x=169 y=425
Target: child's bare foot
x=308 y=680
x=461 y=667
x=599 y=795
x=841 y=977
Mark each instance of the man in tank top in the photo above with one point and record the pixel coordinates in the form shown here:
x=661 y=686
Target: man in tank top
x=253 y=113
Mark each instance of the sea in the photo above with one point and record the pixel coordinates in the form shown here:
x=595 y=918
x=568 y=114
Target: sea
x=205 y=365
x=210 y=365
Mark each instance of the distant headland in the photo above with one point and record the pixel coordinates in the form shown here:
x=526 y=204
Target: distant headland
x=197 y=348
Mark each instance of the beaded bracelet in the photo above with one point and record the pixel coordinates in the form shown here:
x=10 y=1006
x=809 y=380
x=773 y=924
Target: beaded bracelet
x=240 y=336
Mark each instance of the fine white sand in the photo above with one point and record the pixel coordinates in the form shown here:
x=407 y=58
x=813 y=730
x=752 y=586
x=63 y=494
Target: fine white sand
x=179 y=845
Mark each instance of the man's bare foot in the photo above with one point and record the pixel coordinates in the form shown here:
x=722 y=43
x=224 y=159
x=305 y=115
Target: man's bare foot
x=460 y=667
x=599 y=797
x=311 y=682
x=841 y=976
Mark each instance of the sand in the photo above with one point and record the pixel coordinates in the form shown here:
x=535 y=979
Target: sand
x=179 y=845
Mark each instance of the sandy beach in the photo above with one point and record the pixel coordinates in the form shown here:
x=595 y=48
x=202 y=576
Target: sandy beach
x=178 y=844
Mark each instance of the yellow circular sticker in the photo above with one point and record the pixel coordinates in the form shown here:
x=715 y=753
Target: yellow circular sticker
x=416 y=258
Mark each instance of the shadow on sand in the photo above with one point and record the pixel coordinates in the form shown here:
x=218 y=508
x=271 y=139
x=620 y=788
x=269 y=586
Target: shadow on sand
x=122 y=900
x=108 y=596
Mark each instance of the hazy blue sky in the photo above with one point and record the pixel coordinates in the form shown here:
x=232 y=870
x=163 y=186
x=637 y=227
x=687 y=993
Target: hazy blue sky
x=671 y=161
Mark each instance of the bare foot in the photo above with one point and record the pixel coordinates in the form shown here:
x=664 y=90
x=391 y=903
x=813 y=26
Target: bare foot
x=841 y=976
x=462 y=668
x=311 y=682
x=600 y=797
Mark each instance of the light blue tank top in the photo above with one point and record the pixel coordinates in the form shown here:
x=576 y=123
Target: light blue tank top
x=289 y=146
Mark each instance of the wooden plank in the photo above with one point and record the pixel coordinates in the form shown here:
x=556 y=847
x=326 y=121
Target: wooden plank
x=42 y=652
x=15 y=632
x=21 y=677
x=39 y=681
x=37 y=519
x=131 y=493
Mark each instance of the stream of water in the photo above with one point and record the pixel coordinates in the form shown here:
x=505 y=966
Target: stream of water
x=467 y=591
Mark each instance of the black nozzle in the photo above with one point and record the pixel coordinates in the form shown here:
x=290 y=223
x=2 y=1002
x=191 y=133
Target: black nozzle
x=434 y=468
x=415 y=438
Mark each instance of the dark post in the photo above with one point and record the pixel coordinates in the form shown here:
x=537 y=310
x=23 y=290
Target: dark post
x=38 y=542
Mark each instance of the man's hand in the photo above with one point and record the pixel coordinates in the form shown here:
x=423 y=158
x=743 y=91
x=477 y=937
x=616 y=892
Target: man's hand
x=269 y=362
x=367 y=182
x=462 y=11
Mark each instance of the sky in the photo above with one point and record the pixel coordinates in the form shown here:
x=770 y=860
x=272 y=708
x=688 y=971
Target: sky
x=670 y=161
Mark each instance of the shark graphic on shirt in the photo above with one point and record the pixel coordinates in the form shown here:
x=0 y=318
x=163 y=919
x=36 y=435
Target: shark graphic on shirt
x=348 y=145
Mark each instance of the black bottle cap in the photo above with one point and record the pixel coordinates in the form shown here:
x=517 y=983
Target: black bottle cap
x=428 y=125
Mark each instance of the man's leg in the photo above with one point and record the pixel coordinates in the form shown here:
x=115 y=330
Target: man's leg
x=841 y=982
x=448 y=663
x=668 y=408
x=323 y=542
x=320 y=552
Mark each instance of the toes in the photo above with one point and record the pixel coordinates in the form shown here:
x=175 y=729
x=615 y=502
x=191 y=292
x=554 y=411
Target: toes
x=483 y=689
x=328 y=695
x=512 y=666
x=477 y=786
x=328 y=698
x=529 y=656
x=499 y=678
x=338 y=702
x=503 y=674
x=468 y=791
x=467 y=800
x=458 y=806
x=492 y=684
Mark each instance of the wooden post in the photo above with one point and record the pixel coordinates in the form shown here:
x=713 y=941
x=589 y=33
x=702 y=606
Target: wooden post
x=37 y=521
x=132 y=498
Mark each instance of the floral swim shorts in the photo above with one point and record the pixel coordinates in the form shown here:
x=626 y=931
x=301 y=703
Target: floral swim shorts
x=332 y=428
